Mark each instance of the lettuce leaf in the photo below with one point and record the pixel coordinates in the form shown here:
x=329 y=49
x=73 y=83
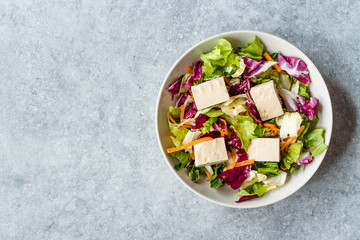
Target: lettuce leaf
x=292 y=155
x=179 y=134
x=268 y=75
x=270 y=168
x=253 y=49
x=257 y=189
x=208 y=123
x=307 y=125
x=183 y=157
x=193 y=172
x=244 y=126
x=315 y=141
x=304 y=90
x=174 y=112
x=214 y=113
x=183 y=81
x=217 y=58
x=293 y=152
x=214 y=181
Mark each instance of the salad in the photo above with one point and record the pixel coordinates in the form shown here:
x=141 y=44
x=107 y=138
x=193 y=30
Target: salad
x=242 y=118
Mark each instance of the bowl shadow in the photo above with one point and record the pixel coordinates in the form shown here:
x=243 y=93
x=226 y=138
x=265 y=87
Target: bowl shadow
x=344 y=116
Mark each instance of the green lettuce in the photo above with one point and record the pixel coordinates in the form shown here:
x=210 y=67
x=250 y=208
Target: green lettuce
x=253 y=49
x=183 y=157
x=292 y=155
x=214 y=181
x=208 y=123
x=218 y=59
x=307 y=125
x=174 y=112
x=270 y=168
x=260 y=131
x=274 y=56
x=303 y=90
x=244 y=126
x=315 y=141
x=179 y=134
x=266 y=76
x=257 y=189
x=183 y=80
x=194 y=173
x=214 y=113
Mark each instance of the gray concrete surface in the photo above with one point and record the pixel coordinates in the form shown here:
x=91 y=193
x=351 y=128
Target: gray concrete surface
x=78 y=152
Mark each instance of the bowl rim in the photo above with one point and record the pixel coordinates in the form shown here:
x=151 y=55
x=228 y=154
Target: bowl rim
x=329 y=131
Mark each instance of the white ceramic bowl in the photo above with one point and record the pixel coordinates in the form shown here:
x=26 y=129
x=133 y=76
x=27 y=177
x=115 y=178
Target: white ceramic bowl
x=225 y=195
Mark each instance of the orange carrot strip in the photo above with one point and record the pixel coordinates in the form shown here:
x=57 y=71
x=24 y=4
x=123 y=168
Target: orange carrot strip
x=191 y=93
x=192 y=155
x=240 y=164
x=182 y=113
x=267 y=56
x=272 y=127
x=184 y=126
x=224 y=131
x=233 y=156
x=207 y=173
x=205 y=139
x=171 y=119
x=286 y=144
x=300 y=130
x=188 y=69
x=169 y=134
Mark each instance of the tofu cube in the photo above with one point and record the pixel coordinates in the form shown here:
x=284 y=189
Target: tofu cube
x=267 y=100
x=264 y=149
x=210 y=152
x=290 y=124
x=210 y=93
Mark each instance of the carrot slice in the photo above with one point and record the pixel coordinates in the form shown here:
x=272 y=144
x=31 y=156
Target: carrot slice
x=240 y=164
x=182 y=113
x=267 y=56
x=207 y=172
x=188 y=69
x=300 y=130
x=171 y=119
x=290 y=140
x=192 y=155
x=272 y=127
x=205 y=139
x=287 y=143
x=191 y=93
x=223 y=132
x=233 y=156
x=169 y=134
x=184 y=126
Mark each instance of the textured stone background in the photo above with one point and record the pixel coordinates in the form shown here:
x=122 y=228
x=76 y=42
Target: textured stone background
x=78 y=152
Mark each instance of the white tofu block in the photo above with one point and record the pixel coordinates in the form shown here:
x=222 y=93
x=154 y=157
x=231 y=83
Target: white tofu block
x=267 y=100
x=290 y=124
x=264 y=149
x=210 y=152
x=210 y=93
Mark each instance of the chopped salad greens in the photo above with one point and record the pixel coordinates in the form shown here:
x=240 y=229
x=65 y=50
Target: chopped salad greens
x=243 y=119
